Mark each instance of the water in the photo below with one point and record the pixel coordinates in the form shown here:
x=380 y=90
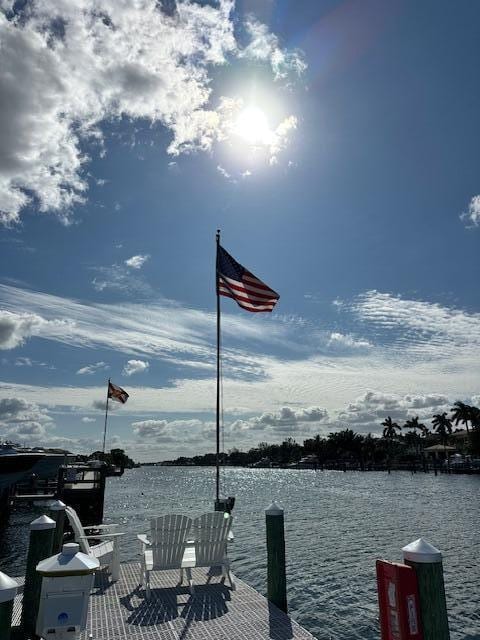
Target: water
x=336 y=526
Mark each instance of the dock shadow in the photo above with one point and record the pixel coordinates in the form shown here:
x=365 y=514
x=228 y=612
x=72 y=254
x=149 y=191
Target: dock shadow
x=279 y=624
x=102 y=581
x=160 y=608
x=208 y=602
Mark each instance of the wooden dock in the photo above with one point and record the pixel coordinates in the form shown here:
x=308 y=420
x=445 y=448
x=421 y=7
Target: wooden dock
x=119 y=611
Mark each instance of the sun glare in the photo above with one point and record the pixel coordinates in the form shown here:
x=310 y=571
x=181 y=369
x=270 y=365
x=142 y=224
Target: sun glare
x=252 y=125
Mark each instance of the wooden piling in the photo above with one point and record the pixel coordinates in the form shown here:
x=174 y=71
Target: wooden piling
x=276 y=569
x=427 y=562
x=57 y=511
x=40 y=547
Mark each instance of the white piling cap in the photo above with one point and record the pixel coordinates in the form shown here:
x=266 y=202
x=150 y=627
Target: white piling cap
x=8 y=588
x=57 y=505
x=274 y=509
x=71 y=562
x=421 y=551
x=43 y=522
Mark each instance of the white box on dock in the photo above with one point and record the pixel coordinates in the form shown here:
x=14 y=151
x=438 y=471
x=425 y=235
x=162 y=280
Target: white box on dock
x=66 y=585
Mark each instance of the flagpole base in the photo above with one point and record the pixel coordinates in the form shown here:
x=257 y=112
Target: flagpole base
x=225 y=504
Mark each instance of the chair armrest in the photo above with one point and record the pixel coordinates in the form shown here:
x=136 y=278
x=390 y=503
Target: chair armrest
x=143 y=539
x=101 y=527
x=105 y=535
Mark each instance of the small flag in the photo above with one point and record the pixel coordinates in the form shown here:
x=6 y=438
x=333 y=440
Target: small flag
x=117 y=393
x=234 y=281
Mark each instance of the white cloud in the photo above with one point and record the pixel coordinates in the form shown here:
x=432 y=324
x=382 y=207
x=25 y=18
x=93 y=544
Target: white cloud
x=93 y=368
x=420 y=329
x=123 y=60
x=167 y=431
x=224 y=173
x=264 y=46
x=15 y=328
x=118 y=278
x=471 y=217
x=11 y=407
x=284 y=421
x=135 y=366
x=137 y=262
x=23 y=421
x=82 y=63
x=23 y=361
x=345 y=343
x=422 y=354
x=161 y=328
x=30 y=424
x=368 y=411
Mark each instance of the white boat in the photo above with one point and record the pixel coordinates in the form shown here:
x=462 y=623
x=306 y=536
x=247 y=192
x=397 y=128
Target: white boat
x=18 y=464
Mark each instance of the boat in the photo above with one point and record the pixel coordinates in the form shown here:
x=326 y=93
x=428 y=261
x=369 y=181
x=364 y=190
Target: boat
x=19 y=464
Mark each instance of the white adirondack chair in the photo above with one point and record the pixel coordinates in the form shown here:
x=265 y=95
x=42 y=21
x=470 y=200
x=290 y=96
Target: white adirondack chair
x=211 y=533
x=166 y=548
x=107 y=552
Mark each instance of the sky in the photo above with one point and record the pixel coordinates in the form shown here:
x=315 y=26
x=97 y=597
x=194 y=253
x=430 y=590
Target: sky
x=334 y=143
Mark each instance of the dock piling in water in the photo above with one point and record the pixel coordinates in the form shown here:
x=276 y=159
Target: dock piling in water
x=57 y=510
x=40 y=547
x=427 y=562
x=276 y=570
x=8 y=591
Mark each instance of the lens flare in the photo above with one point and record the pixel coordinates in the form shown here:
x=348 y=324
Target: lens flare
x=252 y=125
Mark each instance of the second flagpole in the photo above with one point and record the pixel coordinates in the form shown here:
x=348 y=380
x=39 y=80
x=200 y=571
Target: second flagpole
x=217 y=459
x=106 y=415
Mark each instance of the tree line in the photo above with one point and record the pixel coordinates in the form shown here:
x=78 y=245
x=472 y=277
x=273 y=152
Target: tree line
x=114 y=458
x=399 y=443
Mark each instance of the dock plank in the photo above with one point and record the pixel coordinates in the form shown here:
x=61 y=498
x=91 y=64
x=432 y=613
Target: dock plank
x=119 y=611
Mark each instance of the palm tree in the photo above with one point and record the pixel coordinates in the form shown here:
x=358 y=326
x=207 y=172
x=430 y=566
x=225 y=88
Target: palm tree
x=463 y=413
x=424 y=429
x=475 y=417
x=413 y=423
x=389 y=433
x=347 y=443
x=391 y=427
x=369 y=447
x=443 y=426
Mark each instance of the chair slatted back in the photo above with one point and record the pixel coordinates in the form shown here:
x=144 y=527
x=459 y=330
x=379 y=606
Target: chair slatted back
x=78 y=530
x=168 y=537
x=210 y=533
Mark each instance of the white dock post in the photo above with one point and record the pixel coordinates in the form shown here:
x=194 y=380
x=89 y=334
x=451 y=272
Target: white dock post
x=39 y=547
x=8 y=591
x=57 y=509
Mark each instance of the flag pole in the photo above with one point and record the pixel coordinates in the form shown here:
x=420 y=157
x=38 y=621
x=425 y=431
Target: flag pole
x=217 y=459
x=106 y=415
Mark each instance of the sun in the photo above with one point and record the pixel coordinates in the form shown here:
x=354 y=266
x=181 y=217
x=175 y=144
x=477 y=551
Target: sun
x=252 y=126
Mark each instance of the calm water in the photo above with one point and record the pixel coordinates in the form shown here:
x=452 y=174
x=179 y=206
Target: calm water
x=337 y=525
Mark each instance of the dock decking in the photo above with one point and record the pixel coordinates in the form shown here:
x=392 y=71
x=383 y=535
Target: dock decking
x=119 y=611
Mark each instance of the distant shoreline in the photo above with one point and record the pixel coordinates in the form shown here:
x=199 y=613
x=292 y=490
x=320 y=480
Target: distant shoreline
x=340 y=467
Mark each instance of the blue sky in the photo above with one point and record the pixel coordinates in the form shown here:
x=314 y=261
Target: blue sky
x=336 y=146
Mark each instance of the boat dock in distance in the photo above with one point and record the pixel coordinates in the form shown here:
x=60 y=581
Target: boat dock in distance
x=120 y=611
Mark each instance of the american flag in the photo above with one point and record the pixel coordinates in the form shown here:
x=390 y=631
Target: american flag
x=117 y=393
x=234 y=281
